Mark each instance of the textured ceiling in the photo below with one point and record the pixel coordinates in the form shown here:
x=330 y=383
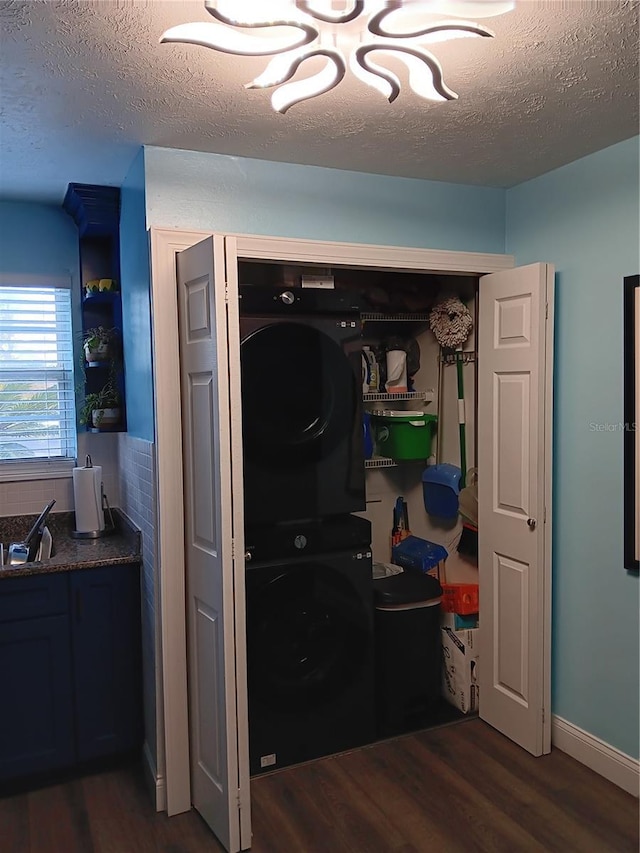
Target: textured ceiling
x=84 y=84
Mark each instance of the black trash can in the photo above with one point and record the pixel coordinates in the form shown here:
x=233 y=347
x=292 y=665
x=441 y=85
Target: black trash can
x=408 y=652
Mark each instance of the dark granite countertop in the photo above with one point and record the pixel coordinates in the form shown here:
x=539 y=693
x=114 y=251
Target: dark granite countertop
x=119 y=547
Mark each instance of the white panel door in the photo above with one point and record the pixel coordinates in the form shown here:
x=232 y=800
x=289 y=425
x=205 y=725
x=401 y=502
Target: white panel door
x=514 y=497
x=215 y=584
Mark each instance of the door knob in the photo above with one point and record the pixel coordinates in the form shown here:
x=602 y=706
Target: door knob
x=247 y=556
x=532 y=523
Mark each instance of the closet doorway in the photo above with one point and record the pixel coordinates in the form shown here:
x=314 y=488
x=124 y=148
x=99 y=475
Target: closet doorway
x=515 y=363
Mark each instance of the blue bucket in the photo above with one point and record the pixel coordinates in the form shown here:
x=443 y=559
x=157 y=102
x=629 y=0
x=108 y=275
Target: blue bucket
x=440 y=489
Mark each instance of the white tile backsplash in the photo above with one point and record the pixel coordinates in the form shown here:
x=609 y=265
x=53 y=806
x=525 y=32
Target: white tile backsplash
x=136 y=489
x=29 y=496
x=26 y=497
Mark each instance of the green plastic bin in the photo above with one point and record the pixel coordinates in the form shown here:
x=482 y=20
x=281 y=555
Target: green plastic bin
x=403 y=435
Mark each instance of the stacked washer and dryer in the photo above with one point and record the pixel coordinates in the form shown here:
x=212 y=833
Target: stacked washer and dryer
x=309 y=576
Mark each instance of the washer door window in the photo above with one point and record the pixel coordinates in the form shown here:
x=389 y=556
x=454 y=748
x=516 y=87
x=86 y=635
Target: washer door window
x=308 y=634
x=298 y=395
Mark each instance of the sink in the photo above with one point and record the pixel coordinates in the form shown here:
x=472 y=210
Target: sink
x=17 y=553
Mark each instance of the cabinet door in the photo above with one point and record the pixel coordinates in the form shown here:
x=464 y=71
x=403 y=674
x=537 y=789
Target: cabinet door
x=106 y=659
x=36 y=704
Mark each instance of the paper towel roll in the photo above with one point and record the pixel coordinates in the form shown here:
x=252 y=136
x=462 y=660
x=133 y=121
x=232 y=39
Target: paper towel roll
x=87 y=497
x=396 y=372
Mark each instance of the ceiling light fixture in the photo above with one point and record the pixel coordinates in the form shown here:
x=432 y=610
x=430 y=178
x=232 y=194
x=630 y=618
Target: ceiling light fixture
x=294 y=31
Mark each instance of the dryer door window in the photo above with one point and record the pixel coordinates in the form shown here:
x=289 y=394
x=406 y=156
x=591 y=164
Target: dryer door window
x=308 y=635
x=298 y=395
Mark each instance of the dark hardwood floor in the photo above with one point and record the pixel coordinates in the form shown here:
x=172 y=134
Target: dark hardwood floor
x=458 y=788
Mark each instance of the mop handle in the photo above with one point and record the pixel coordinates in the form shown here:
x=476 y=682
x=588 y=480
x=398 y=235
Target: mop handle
x=461 y=421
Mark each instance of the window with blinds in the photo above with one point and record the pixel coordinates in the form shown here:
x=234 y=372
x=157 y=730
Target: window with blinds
x=37 y=406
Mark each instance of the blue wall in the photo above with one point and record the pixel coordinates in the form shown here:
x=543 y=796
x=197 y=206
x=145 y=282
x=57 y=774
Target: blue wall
x=583 y=218
x=42 y=240
x=188 y=189
x=136 y=303
x=38 y=240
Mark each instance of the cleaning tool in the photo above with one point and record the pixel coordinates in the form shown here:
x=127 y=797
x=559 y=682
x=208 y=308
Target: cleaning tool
x=462 y=420
x=451 y=323
x=441 y=482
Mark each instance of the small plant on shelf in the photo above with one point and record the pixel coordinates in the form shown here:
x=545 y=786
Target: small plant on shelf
x=101 y=345
x=100 y=285
x=102 y=409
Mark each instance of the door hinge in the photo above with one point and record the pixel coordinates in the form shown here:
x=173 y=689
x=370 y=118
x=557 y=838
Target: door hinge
x=226 y=291
x=233 y=549
x=546 y=310
x=544 y=515
x=238 y=800
x=543 y=717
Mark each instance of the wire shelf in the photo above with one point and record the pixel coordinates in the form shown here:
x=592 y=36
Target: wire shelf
x=380 y=462
x=379 y=396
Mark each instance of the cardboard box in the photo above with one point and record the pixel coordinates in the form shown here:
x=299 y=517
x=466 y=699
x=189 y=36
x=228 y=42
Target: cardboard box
x=460 y=668
x=461 y=598
x=458 y=621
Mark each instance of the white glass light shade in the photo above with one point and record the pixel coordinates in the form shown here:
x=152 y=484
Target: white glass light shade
x=301 y=90
x=383 y=80
x=293 y=31
x=282 y=68
x=425 y=72
x=251 y=13
x=226 y=40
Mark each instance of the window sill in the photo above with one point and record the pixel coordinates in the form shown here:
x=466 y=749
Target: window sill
x=39 y=469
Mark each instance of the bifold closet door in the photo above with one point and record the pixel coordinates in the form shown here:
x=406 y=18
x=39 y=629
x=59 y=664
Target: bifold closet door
x=215 y=579
x=514 y=490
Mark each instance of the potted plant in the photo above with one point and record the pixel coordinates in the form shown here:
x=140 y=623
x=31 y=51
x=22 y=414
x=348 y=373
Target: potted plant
x=100 y=285
x=101 y=409
x=100 y=345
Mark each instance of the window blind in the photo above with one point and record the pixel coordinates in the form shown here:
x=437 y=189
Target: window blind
x=37 y=403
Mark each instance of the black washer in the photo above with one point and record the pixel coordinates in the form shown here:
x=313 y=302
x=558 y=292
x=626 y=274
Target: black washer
x=309 y=657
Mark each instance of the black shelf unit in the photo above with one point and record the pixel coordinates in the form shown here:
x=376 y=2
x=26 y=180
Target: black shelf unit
x=96 y=212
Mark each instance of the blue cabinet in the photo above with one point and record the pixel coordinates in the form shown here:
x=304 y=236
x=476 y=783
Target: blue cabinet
x=106 y=660
x=70 y=679
x=36 y=708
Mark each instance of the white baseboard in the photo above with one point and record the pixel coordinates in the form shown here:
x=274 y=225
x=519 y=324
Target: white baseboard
x=599 y=756
x=155 y=783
